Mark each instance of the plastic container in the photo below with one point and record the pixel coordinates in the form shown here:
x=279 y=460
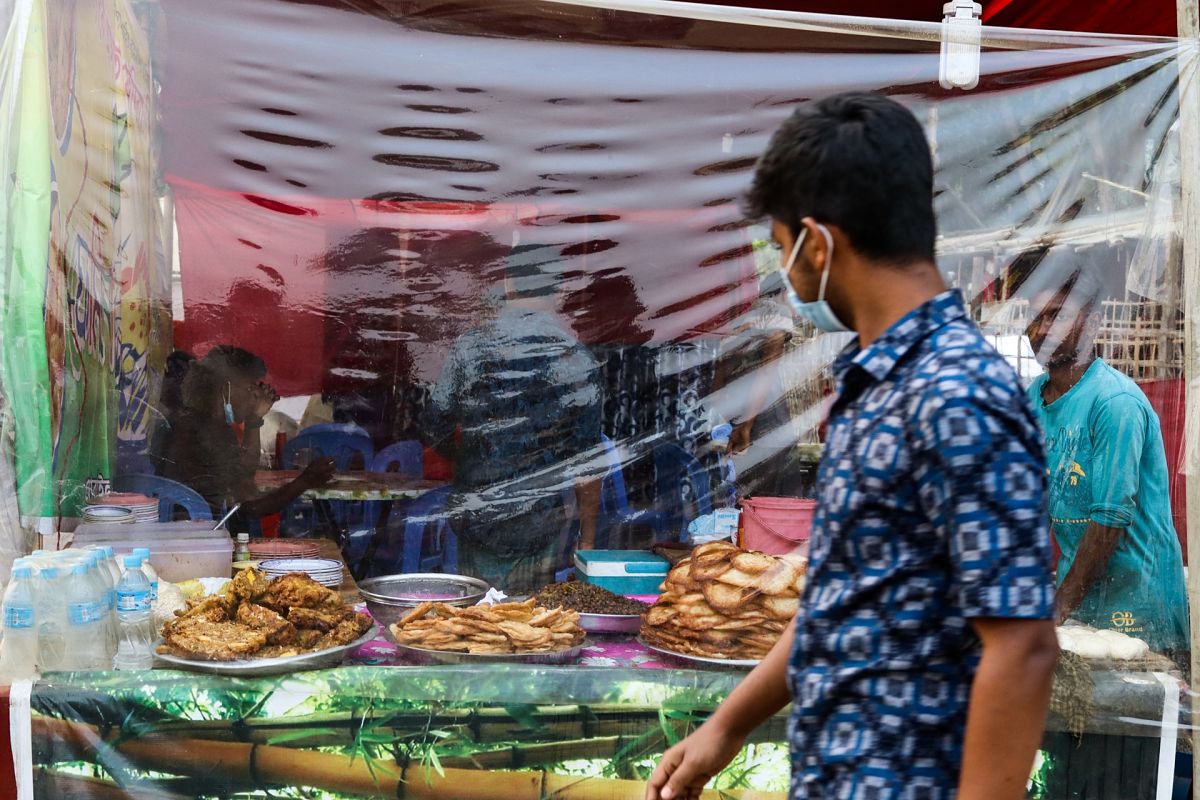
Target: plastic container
x=135 y=615
x=622 y=571
x=179 y=551
x=777 y=525
x=19 y=648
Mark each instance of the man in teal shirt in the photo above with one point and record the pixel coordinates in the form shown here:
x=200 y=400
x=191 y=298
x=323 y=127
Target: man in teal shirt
x=1121 y=567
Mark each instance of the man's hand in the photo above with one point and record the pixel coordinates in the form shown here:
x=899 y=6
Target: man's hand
x=318 y=473
x=686 y=767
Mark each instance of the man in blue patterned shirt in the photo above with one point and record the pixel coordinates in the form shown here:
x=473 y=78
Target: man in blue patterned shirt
x=919 y=665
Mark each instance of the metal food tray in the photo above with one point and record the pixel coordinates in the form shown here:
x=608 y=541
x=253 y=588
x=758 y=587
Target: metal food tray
x=610 y=623
x=257 y=667
x=424 y=656
x=730 y=663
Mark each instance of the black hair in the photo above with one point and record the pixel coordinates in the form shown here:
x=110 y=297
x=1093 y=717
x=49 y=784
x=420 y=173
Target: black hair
x=856 y=160
x=529 y=270
x=174 y=373
x=206 y=378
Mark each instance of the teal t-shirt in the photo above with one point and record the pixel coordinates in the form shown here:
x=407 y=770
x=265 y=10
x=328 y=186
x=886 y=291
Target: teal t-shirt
x=1107 y=463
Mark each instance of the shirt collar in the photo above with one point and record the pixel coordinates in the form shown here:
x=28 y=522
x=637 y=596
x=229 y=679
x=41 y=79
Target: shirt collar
x=881 y=356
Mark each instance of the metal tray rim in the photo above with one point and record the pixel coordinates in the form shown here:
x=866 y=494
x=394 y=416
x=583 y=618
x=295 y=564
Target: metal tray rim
x=267 y=666
x=449 y=657
x=740 y=663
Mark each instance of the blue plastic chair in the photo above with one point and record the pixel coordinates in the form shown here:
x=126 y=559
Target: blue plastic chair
x=615 y=510
x=417 y=538
x=343 y=444
x=171 y=495
x=131 y=463
x=346 y=444
x=408 y=458
x=674 y=468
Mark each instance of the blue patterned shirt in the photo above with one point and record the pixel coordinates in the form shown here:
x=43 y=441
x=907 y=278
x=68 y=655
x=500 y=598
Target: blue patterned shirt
x=931 y=511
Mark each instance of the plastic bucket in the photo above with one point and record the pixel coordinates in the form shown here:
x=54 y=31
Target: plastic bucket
x=777 y=525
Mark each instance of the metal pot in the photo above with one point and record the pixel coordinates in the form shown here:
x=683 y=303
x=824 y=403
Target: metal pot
x=390 y=597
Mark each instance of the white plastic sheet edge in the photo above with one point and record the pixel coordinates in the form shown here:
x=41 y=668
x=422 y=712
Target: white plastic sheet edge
x=20 y=731
x=1169 y=733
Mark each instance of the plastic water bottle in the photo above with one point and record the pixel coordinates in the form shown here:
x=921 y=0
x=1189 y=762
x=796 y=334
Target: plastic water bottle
x=85 y=621
x=107 y=589
x=18 y=649
x=151 y=574
x=52 y=619
x=134 y=651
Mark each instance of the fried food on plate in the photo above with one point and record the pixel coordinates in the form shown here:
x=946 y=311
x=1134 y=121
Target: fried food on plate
x=253 y=617
x=725 y=602
x=502 y=628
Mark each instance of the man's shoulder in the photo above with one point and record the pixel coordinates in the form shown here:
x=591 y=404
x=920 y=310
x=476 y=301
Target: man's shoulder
x=957 y=362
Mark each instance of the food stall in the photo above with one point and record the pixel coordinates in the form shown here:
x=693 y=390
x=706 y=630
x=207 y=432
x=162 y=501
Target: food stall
x=335 y=188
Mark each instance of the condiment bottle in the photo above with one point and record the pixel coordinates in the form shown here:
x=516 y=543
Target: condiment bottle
x=241 y=551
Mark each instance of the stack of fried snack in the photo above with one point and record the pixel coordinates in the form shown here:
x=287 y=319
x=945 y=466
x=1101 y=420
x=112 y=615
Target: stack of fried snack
x=725 y=602
x=257 y=618
x=501 y=628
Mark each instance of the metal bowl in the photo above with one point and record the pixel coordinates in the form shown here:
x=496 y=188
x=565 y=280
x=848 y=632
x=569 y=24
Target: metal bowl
x=610 y=623
x=390 y=597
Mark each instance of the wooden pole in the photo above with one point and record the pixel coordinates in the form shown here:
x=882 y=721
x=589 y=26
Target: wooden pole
x=267 y=765
x=1189 y=181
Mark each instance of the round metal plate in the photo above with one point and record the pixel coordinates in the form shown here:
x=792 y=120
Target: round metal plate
x=321 y=659
x=731 y=663
x=424 y=656
x=610 y=623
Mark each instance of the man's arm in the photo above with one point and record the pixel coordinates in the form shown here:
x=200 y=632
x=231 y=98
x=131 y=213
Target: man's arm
x=1091 y=562
x=1007 y=711
x=686 y=767
x=759 y=394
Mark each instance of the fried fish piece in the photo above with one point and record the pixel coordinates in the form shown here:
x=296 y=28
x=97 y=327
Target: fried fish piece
x=311 y=618
x=279 y=631
x=297 y=589
x=217 y=641
x=249 y=585
x=344 y=632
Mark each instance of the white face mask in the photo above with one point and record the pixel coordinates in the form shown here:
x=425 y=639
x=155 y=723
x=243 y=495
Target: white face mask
x=818 y=312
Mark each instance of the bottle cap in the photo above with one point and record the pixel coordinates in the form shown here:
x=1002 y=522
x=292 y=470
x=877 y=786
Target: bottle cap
x=80 y=569
x=134 y=561
x=721 y=433
x=144 y=552
x=49 y=572
x=22 y=571
x=243 y=537
x=107 y=550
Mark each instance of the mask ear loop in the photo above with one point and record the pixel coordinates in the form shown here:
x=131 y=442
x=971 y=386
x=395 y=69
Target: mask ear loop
x=828 y=262
x=787 y=267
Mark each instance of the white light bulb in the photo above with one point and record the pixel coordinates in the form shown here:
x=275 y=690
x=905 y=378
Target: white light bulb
x=961 y=35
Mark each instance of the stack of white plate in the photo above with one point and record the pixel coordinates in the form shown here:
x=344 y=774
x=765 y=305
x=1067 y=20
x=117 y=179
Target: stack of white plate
x=326 y=571
x=109 y=515
x=143 y=508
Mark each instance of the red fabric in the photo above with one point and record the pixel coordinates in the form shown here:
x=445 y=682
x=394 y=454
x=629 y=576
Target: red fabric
x=8 y=775
x=1131 y=17
x=1168 y=399
x=435 y=467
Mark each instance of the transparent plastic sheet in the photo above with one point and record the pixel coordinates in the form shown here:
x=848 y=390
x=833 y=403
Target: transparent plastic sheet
x=500 y=732
x=338 y=188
